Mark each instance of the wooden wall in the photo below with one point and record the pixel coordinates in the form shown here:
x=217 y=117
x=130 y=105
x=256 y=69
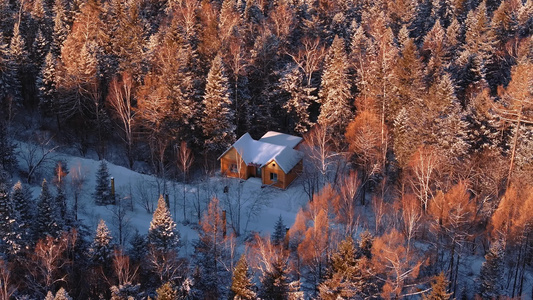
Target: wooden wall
x=233 y=157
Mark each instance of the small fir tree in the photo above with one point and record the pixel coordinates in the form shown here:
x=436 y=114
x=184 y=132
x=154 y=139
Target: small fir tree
x=49 y=296
x=102 y=193
x=242 y=286
x=8 y=230
x=45 y=224
x=279 y=232
x=101 y=248
x=61 y=208
x=275 y=282
x=138 y=247
x=166 y=292
x=162 y=233
x=62 y=295
x=491 y=274
x=8 y=160
x=439 y=289
x=22 y=203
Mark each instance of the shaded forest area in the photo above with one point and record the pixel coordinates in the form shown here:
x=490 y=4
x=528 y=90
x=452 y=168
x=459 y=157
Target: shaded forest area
x=417 y=118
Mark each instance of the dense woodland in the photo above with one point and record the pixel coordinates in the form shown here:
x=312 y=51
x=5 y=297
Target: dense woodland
x=417 y=118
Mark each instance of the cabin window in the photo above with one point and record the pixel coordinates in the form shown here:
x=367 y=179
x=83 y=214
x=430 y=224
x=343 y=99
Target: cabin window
x=233 y=168
x=273 y=165
x=273 y=176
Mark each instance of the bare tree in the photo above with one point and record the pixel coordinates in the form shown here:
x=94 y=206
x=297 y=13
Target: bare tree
x=121 y=219
x=120 y=98
x=309 y=57
x=423 y=166
x=321 y=157
x=77 y=181
x=185 y=159
x=125 y=272
x=6 y=286
x=36 y=153
x=48 y=260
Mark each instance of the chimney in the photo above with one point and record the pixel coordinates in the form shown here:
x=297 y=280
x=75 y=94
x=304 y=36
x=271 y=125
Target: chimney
x=224 y=223
x=113 y=190
x=287 y=238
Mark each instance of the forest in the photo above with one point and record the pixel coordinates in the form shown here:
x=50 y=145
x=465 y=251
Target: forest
x=417 y=119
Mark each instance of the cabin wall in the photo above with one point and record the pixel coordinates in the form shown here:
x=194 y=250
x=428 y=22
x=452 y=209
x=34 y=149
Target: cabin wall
x=295 y=172
x=233 y=157
x=272 y=167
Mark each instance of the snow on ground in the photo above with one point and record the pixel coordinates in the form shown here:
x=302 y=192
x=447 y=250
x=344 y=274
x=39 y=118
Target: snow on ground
x=260 y=206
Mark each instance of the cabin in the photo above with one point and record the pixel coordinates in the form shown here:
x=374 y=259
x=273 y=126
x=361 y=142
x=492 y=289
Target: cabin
x=274 y=158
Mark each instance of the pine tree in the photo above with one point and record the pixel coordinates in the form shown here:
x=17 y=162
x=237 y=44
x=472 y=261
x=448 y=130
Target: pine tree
x=8 y=160
x=439 y=289
x=217 y=122
x=101 y=248
x=18 y=58
x=61 y=208
x=22 y=203
x=61 y=27
x=211 y=254
x=491 y=274
x=299 y=99
x=8 y=229
x=45 y=223
x=102 y=194
x=138 y=247
x=49 y=296
x=347 y=279
x=166 y=292
x=334 y=94
x=62 y=295
x=241 y=285
x=162 y=233
x=279 y=232
x=46 y=83
x=275 y=285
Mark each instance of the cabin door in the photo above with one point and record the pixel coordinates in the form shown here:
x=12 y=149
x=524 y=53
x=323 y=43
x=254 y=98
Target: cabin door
x=257 y=172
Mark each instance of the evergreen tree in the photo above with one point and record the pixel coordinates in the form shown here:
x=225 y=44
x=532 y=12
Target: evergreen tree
x=166 y=292
x=491 y=274
x=101 y=248
x=61 y=27
x=335 y=95
x=8 y=160
x=8 y=229
x=279 y=232
x=217 y=122
x=162 y=233
x=439 y=289
x=22 y=203
x=138 y=249
x=61 y=208
x=348 y=278
x=102 y=193
x=46 y=83
x=49 y=296
x=18 y=58
x=275 y=285
x=45 y=222
x=62 y=295
x=241 y=285
x=299 y=99
x=211 y=255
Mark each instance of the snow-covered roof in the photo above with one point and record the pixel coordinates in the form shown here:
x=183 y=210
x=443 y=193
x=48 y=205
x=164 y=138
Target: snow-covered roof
x=281 y=139
x=260 y=153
